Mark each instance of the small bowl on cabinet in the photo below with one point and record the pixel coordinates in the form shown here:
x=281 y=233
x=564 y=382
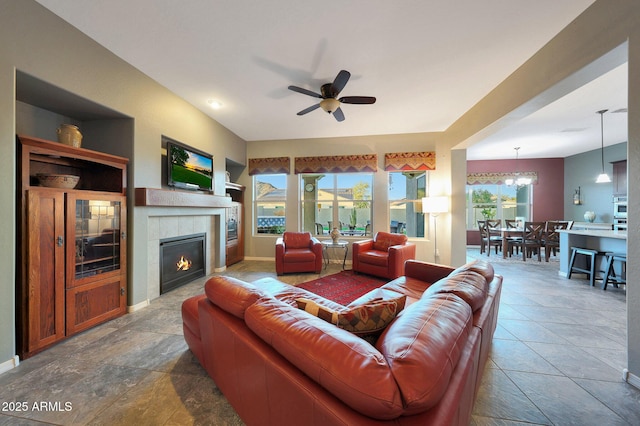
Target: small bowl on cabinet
x=58 y=181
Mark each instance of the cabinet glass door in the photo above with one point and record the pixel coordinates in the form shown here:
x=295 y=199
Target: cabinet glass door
x=97 y=237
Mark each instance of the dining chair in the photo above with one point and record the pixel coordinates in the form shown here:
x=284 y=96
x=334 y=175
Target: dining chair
x=490 y=235
x=551 y=239
x=531 y=242
x=513 y=225
x=482 y=224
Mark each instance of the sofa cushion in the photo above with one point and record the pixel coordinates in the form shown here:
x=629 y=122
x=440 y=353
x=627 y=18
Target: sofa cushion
x=423 y=346
x=231 y=294
x=342 y=363
x=289 y=293
x=482 y=267
x=383 y=240
x=296 y=240
x=363 y=320
x=294 y=255
x=411 y=287
x=374 y=257
x=469 y=285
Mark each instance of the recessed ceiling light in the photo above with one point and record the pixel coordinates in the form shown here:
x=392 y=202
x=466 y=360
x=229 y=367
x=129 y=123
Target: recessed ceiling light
x=215 y=104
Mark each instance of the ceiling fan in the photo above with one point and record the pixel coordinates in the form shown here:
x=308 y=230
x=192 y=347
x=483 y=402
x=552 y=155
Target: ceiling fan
x=329 y=92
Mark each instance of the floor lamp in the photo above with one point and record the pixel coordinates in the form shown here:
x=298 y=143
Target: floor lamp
x=434 y=206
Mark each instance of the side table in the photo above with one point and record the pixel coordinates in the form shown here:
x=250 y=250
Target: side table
x=329 y=244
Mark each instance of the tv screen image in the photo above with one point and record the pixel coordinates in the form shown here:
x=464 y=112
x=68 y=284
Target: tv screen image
x=188 y=167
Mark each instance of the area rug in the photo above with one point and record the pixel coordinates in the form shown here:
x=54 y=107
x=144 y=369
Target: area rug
x=343 y=287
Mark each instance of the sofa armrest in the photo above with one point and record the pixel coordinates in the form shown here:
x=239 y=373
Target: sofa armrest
x=426 y=271
x=358 y=247
x=316 y=248
x=398 y=255
x=315 y=244
x=361 y=246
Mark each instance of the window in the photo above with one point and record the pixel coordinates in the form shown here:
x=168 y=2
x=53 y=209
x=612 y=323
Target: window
x=270 y=192
x=497 y=202
x=342 y=200
x=406 y=190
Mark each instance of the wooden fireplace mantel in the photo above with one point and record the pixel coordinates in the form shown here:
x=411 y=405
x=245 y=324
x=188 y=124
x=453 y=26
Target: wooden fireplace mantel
x=155 y=197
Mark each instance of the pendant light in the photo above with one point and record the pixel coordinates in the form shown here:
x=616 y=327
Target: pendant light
x=603 y=177
x=517 y=179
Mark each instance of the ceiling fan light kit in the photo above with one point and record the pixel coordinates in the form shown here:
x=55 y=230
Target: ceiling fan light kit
x=330 y=105
x=330 y=102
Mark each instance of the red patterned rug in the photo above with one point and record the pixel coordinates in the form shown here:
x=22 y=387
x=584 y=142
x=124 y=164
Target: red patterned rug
x=343 y=287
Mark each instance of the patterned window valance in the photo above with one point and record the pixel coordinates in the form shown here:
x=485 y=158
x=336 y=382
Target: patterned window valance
x=399 y=161
x=497 y=178
x=269 y=166
x=337 y=164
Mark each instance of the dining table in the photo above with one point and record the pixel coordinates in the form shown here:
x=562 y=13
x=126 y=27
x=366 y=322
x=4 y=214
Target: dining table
x=504 y=234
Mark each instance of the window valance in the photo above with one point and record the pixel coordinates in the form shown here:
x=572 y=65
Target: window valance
x=269 y=166
x=399 y=161
x=337 y=164
x=497 y=178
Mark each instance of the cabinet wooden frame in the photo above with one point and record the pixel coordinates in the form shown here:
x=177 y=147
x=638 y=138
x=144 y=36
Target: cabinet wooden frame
x=235 y=246
x=51 y=304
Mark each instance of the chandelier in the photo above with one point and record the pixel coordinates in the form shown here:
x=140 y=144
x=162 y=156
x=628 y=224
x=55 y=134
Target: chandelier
x=517 y=179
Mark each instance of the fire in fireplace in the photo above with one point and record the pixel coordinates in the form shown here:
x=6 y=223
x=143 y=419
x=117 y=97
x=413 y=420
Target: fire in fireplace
x=182 y=259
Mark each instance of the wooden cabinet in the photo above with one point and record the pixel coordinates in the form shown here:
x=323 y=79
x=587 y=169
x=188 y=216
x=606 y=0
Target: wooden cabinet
x=235 y=224
x=72 y=241
x=620 y=178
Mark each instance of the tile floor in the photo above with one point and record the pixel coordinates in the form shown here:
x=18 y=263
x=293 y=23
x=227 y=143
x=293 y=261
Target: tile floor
x=557 y=359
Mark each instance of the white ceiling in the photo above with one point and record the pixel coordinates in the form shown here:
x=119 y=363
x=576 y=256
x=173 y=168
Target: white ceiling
x=426 y=62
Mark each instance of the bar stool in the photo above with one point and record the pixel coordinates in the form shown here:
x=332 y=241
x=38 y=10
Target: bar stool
x=610 y=273
x=591 y=257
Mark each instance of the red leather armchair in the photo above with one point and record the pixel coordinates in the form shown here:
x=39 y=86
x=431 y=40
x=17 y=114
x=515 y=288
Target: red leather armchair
x=298 y=252
x=383 y=255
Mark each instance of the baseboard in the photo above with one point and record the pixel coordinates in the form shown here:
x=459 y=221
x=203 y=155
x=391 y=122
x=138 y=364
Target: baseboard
x=10 y=364
x=632 y=379
x=221 y=269
x=261 y=259
x=138 y=306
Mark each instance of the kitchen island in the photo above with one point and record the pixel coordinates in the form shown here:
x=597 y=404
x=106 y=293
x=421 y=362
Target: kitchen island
x=601 y=240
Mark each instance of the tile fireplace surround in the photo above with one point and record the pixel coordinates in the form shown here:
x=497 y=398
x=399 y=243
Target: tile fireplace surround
x=161 y=227
x=162 y=213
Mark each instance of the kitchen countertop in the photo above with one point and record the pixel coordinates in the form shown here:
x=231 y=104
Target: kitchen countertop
x=592 y=225
x=602 y=233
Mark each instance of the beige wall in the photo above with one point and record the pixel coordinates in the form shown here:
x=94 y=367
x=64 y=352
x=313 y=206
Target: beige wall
x=262 y=246
x=38 y=43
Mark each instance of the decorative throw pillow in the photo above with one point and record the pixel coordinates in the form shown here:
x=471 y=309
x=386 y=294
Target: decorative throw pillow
x=361 y=320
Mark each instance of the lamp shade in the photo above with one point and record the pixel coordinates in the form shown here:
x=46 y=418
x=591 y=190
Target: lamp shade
x=435 y=204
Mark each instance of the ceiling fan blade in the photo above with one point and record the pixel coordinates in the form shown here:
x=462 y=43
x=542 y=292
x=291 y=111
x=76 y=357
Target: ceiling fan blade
x=358 y=100
x=311 y=108
x=338 y=84
x=338 y=114
x=305 y=91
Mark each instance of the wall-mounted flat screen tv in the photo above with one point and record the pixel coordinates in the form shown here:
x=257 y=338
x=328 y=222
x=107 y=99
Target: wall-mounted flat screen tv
x=188 y=167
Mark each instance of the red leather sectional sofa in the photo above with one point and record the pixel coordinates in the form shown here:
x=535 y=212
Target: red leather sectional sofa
x=279 y=365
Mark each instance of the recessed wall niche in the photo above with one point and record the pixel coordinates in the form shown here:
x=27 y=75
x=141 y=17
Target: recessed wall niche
x=41 y=107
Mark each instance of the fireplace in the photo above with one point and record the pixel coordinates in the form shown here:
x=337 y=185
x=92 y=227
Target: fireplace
x=182 y=259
